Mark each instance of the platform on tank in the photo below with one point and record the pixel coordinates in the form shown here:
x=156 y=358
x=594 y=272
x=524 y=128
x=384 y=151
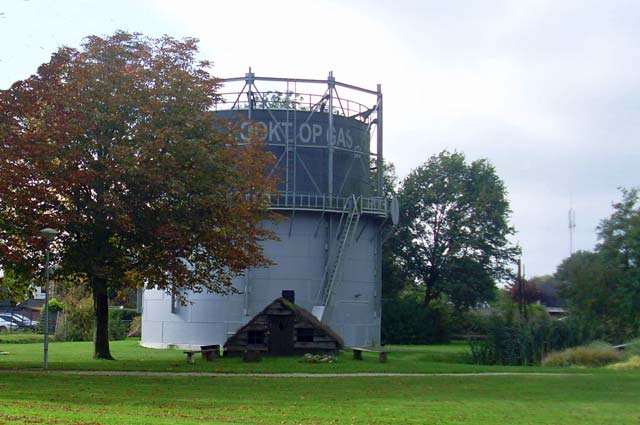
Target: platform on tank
x=375 y=206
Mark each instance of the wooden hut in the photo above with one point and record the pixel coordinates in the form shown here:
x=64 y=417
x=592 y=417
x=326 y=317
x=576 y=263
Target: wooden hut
x=283 y=329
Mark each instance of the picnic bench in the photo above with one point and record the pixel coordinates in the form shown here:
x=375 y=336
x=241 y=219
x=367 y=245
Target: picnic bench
x=357 y=353
x=209 y=353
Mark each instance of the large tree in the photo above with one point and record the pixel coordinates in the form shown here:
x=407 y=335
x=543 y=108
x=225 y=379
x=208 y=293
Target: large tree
x=590 y=288
x=604 y=286
x=394 y=279
x=454 y=228
x=619 y=237
x=116 y=145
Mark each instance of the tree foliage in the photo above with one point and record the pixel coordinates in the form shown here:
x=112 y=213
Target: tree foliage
x=619 y=235
x=15 y=286
x=116 y=145
x=453 y=233
x=394 y=277
x=524 y=291
x=406 y=321
x=603 y=287
x=549 y=288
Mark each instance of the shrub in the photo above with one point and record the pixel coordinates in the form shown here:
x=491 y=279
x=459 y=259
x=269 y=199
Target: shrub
x=407 y=321
x=515 y=341
x=77 y=322
x=135 y=327
x=508 y=343
x=583 y=356
x=118 y=326
x=598 y=343
x=128 y=314
x=632 y=348
x=55 y=307
x=632 y=363
x=471 y=322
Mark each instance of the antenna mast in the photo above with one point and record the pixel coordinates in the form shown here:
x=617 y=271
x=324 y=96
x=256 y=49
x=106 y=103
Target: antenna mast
x=572 y=227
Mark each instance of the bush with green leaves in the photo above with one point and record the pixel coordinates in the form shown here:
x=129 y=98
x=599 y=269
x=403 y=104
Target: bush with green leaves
x=77 y=321
x=572 y=331
x=507 y=343
x=120 y=320
x=583 y=356
x=135 y=327
x=408 y=321
x=469 y=323
x=118 y=325
x=511 y=340
x=55 y=306
x=632 y=348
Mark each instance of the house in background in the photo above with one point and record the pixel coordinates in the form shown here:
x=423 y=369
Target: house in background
x=550 y=298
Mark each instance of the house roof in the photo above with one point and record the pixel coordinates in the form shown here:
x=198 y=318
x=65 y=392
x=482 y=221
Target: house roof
x=34 y=304
x=299 y=311
x=307 y=315
x=550 y=294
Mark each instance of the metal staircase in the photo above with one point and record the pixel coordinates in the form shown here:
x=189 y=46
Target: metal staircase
x=348 y=223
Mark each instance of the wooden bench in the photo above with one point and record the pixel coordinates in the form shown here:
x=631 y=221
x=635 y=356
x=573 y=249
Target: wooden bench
x=209 y=353
x=357 y=354
x=251 y=356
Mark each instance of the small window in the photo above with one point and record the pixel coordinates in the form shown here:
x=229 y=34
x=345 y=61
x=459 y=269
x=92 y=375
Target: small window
x=256 y=337
x=305 y=335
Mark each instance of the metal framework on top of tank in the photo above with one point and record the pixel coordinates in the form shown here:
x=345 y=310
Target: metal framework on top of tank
x=286 y=96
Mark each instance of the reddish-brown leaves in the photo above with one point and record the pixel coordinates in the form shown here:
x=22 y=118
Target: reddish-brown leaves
x=115 y=145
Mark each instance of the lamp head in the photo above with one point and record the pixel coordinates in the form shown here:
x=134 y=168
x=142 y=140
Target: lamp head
x=48 y=234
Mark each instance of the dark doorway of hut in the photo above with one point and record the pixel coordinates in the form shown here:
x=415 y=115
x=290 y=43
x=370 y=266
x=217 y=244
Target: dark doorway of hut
x=281 y=335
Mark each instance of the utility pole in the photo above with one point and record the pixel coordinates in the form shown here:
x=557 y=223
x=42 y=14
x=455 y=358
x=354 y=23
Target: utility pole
x=48 y=235
x=520 y=289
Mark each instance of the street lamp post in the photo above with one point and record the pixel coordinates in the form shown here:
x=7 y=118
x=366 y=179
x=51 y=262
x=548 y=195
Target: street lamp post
x=48 y=235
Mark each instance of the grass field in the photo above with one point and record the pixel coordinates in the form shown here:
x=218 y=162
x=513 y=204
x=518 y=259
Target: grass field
x=20 y=338
x=611 y=398
x=451 y=358
x=584 y=396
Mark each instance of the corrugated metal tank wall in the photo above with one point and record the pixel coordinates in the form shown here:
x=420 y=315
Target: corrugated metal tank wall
x=309 y=145
x=300 y=262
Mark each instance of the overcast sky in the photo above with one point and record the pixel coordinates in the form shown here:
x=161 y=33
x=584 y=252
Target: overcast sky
x=548 y=91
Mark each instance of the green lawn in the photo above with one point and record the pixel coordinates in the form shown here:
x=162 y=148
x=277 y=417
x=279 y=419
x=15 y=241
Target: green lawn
x=20 y=338
x=130 y=356
x=585 y=396
x=610 y=398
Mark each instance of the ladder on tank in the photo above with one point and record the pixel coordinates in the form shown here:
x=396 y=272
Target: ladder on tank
x=346 y=228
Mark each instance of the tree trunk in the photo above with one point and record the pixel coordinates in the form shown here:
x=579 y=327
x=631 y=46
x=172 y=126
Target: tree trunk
x=101 y=308
x=430 y=283
x=427 y=296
